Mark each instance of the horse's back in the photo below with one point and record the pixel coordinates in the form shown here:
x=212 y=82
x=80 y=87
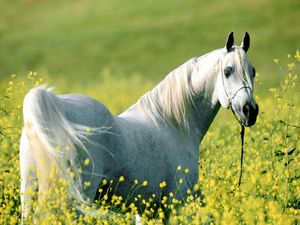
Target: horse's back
x=86 y=111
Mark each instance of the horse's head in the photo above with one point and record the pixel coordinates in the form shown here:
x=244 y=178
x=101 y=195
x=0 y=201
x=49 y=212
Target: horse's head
x=235 y=81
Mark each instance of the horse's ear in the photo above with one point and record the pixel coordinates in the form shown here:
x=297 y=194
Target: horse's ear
x=230 y=41
x=246 y=42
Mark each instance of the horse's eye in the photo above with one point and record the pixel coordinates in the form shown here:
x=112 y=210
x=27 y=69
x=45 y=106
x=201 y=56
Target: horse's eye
x=228 y=71
x=254 y=72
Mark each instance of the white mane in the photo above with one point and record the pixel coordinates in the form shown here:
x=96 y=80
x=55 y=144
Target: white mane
x=172 y=98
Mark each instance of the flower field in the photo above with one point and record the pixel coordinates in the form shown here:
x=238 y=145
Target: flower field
x=269 y=192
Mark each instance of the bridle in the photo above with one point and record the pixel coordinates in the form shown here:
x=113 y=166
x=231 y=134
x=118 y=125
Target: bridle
x=242 y=133
x=230 y=99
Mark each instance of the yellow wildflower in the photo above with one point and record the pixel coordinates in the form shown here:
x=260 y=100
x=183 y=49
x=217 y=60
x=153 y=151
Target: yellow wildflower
x=121 y=179
x=86 y=161
x=163 y=184
x=104 y=182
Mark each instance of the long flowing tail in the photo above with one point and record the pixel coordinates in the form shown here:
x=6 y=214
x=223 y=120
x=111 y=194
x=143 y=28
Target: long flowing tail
x=54 y=140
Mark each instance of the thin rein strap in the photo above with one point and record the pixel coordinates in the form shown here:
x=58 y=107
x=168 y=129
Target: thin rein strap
x=242 y=154
x=242 y=133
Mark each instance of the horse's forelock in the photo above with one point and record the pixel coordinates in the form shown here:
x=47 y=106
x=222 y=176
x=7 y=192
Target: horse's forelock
x=243 y=65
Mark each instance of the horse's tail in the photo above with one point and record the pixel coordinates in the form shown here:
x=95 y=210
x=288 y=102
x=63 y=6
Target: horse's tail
x=54 y=140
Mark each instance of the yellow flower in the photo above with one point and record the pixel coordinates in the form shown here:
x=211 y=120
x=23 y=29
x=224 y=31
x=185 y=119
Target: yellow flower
x=196 y=187
x=291 y=65
x=86 y=161
x=186 y=170
x=121 y=179
x=104 y=182
x=179 y=168
x=174 y=201
x=87 y=184
x=161 y=215
x=297 y=55
x=180 y=181
x=164 y=200
x=145 y=183
x=163 y=184
x=136 y=181
x=105 y=197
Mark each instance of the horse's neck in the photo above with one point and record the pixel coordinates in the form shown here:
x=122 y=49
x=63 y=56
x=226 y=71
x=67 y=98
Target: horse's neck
x=206 y=103
x=205 y=111
x=201 y=111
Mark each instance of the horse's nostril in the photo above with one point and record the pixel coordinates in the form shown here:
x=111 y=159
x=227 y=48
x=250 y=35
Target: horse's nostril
x=246 y=109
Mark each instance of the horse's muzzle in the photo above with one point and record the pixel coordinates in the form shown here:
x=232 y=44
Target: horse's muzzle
x=250 y=112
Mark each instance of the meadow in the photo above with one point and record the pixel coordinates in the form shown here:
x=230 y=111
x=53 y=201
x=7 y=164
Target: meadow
x=270 y=188
x=115 y=52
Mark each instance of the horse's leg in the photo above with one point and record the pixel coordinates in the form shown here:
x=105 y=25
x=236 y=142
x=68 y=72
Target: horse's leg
x=28 y=176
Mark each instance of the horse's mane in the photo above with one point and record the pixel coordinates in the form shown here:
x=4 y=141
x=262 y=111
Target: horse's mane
x=171 y=99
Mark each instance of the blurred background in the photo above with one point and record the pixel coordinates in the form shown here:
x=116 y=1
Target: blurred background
x=75 y=44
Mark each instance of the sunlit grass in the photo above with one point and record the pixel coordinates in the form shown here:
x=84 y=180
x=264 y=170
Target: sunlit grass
x=79 y=39
x=270 y=188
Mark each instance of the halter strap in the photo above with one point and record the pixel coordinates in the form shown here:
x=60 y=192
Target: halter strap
x=242 y=133
x=233 y=96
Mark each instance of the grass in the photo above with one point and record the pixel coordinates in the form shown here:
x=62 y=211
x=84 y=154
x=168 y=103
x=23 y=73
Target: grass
x=80 y=39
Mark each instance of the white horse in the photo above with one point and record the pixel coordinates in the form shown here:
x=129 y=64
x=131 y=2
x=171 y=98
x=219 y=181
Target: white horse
x=147 y=142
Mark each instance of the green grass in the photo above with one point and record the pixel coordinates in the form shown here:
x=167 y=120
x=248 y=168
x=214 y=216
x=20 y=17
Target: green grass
x=79 y=39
